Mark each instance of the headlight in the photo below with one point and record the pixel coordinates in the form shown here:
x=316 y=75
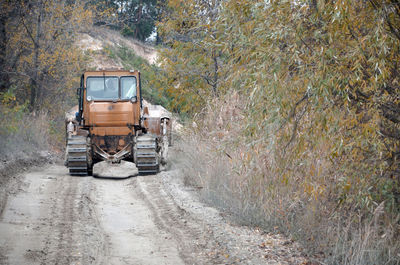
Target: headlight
x=133 y=99
x=89 y=98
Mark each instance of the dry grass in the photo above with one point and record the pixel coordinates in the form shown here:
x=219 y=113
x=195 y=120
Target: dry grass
x=23 y=135
x=246 y=179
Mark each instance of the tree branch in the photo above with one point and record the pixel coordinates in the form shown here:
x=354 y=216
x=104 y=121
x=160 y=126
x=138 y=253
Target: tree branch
x=27 y=30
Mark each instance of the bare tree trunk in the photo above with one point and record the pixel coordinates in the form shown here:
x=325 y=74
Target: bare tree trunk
x=139 y=17
x=158 y=38
x=4 y=77
x=215 y=82
x=35 y=76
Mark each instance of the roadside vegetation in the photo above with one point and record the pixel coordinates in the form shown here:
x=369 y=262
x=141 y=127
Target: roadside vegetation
x=39 y=66
x=295 y=117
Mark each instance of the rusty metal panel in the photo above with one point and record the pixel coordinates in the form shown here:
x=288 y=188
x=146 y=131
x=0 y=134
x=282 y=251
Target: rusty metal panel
x=102 y=131
x=153 y=125
x=112 y=114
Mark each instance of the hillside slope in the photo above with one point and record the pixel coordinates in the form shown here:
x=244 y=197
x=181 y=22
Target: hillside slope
x=98 y=41
x=105 y=49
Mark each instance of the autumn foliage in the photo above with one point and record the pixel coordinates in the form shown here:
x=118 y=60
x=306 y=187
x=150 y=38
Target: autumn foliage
x=39 y=60
x=296 y=105
x=39 y=67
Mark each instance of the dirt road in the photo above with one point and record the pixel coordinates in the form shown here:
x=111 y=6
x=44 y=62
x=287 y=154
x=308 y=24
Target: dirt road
x=53 y=218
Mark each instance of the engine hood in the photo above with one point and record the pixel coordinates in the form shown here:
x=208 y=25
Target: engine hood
x=112 y=114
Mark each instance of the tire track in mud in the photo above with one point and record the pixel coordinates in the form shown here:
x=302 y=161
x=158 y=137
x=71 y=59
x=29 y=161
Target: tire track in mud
x=87 y=207
x=59 y=219
x=74 y=233
x=65 y=244
x=134 y=237
x=192 y=237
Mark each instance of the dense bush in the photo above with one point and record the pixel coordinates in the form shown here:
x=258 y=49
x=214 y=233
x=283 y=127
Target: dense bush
x=296 y=108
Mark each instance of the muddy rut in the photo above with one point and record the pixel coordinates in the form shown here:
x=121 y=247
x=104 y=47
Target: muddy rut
x=58 y=219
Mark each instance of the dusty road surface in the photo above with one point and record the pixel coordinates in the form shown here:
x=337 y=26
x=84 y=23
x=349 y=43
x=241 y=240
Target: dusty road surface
x=53 y=218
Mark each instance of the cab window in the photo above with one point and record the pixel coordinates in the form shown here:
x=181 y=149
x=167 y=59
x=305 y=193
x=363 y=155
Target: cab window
x=128 y=87
x=102 y=88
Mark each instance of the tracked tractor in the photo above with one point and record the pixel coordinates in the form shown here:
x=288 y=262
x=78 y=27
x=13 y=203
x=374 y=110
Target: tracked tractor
x=111 y=124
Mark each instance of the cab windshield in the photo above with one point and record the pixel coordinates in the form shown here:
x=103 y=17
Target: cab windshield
x=108 y=88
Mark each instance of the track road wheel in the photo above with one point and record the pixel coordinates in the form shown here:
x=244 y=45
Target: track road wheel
x=146 y=156
x=78 y=156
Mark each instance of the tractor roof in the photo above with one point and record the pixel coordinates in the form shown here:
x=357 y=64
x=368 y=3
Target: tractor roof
x=111 y=71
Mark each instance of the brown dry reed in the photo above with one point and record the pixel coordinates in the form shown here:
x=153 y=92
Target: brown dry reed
x=244 y=177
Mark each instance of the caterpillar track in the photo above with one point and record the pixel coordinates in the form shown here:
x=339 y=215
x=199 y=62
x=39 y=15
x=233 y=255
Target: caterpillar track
x=146 y=156
x=78 y=156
